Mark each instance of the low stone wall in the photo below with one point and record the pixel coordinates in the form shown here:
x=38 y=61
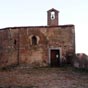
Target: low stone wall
x=80 y=60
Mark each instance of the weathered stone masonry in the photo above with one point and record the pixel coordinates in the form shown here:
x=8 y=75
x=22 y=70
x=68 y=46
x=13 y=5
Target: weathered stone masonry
x=33 y=45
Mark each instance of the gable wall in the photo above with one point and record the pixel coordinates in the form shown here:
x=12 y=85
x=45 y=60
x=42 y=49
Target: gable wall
x=16 y=44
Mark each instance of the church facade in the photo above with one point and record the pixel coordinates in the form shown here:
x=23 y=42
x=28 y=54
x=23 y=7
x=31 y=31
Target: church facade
x=37 y=45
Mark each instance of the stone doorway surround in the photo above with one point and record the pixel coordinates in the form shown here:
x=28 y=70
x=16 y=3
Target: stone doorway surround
x=57 y=49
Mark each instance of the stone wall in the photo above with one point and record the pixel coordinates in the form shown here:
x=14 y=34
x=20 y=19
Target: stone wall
x=8 y=47
x=63 y=37
x=32 y=54
x=16 y=45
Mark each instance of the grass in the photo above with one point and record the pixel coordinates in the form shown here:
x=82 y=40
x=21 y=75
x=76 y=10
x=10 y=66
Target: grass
x=80 y=70
x=63 y=68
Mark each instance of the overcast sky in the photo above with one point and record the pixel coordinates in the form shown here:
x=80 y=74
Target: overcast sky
x=34 y=13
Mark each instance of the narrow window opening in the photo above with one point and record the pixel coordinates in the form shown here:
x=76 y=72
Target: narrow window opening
x=34 y=40
x=14 y=42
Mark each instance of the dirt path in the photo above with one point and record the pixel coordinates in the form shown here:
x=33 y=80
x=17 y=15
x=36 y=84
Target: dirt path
x=43 y=78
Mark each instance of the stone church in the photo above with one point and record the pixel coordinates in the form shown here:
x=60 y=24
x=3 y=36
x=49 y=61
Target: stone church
x=38 y=45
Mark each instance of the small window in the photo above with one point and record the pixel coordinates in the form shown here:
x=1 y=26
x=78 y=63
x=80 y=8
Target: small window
x=34 y=40
x=14 y=42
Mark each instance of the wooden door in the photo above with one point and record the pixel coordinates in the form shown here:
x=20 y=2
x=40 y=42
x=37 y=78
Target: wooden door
x=55 y=58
